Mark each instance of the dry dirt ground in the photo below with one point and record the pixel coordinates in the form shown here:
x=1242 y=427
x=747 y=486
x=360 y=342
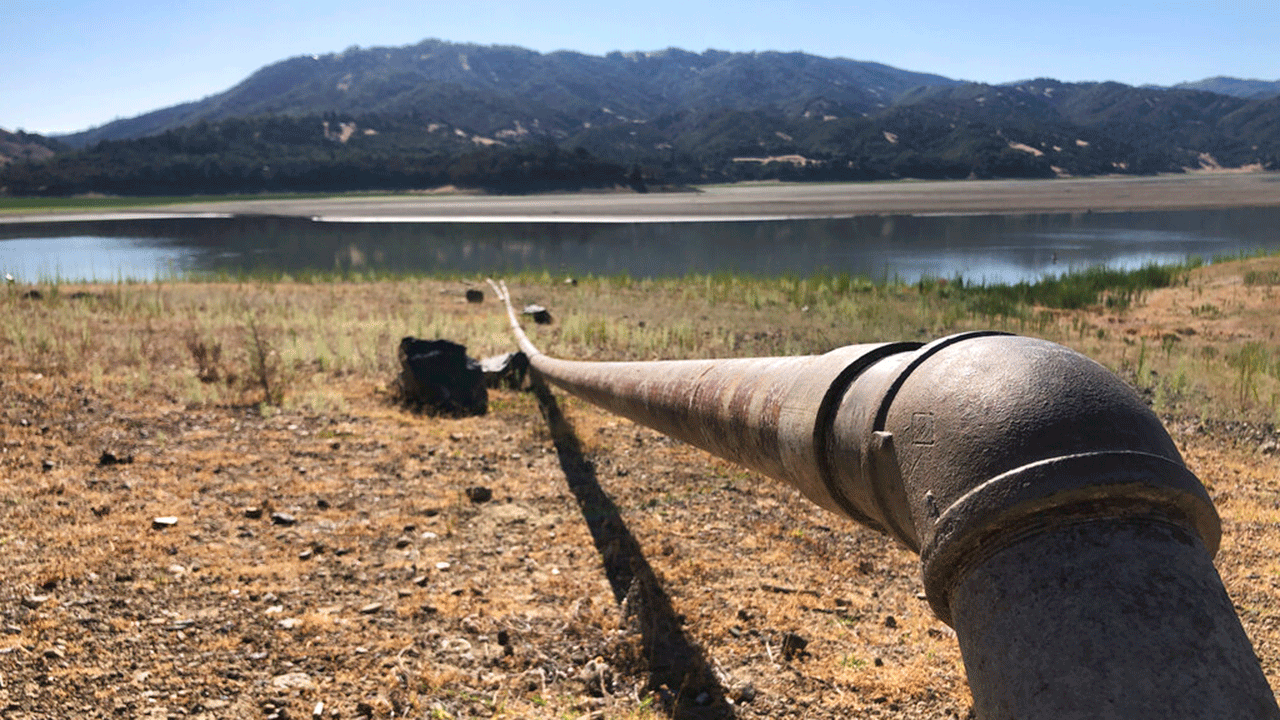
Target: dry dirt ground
x=545 y=560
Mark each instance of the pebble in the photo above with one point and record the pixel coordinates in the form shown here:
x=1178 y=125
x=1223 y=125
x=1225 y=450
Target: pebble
x=292 y=681
x=289 y=623
x=110 y=458
x=34 y=601
x=442 y=565
x=253 y=513
x=285 y=519
x=166 y=521
x=306 y=554
x=479 y=494
x=371 y=608
x=47 y=465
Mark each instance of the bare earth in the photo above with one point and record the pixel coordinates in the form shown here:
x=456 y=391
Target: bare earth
x=341 y=562
x=774 y=200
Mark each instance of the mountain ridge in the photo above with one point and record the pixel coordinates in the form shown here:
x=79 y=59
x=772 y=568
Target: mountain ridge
x=516 y=120
x=560 y=90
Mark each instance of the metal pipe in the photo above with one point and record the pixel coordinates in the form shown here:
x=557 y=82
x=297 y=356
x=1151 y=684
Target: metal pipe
x=1059 y=531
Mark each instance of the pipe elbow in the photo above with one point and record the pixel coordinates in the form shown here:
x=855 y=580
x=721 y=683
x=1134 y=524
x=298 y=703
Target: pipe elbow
x=977 y=440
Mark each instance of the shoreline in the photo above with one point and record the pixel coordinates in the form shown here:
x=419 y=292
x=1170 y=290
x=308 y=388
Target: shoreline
x=743 y=202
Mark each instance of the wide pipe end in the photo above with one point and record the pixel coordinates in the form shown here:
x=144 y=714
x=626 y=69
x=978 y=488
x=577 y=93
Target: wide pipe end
x=994 y=437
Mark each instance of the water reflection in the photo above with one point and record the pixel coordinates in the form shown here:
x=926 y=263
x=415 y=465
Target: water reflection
x=993 y=248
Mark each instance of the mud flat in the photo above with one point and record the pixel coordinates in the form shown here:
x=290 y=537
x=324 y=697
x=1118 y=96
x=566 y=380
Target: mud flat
x=763 y=201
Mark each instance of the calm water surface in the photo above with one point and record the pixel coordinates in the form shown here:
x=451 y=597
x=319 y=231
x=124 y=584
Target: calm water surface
x=991 y=248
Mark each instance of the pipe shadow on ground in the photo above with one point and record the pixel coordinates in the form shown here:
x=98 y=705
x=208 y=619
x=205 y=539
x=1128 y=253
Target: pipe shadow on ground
x=673 y=660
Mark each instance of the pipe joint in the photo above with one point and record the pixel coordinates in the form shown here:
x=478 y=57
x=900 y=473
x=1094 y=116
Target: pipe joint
x=976 y=441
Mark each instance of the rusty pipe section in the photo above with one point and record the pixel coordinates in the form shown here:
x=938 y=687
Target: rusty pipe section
x=1005 y=462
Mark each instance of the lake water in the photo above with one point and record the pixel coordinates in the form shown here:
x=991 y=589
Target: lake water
x=990 y=248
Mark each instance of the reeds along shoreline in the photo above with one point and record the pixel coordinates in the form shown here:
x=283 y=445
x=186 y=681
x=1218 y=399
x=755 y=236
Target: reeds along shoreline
x=282 y=339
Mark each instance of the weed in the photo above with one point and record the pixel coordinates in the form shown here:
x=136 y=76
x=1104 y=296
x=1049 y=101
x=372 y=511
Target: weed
x=266 y=371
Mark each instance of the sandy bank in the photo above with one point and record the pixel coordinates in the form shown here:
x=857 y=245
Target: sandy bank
x=777 y=201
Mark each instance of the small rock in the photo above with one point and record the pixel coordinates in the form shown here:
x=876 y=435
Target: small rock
x=292 y=681
x=420 y=581
x=110 y=458
x=371 y=608
x=285 y=519
x=475 y=296
x=289 y=623
x=253 y=513
x=596 y=676
x=32 y=602
x=745 y=694
x=403 y=543
x=479 y=494
x=306 y=554
x=890 y=621
x=540 y=314
x=323 y=505
x=442 y=566
x=161 y=523
x=47 y=465
x=1269 y=447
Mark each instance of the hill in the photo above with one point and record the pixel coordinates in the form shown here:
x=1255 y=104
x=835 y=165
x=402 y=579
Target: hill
x=1237 y=87
x=26 y=146
x=503 y=90
x=514 y=120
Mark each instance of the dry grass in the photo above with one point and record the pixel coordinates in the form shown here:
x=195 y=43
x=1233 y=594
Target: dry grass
x=274 y=396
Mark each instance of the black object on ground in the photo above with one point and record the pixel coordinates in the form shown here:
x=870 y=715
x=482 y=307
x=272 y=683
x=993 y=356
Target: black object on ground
x=436 y=376
x=540 y=315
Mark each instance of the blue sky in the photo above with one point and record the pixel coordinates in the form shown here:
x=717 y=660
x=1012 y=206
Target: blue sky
x=71 y=64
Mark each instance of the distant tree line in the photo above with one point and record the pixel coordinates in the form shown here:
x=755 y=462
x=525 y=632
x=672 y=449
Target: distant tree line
x=280 y=153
